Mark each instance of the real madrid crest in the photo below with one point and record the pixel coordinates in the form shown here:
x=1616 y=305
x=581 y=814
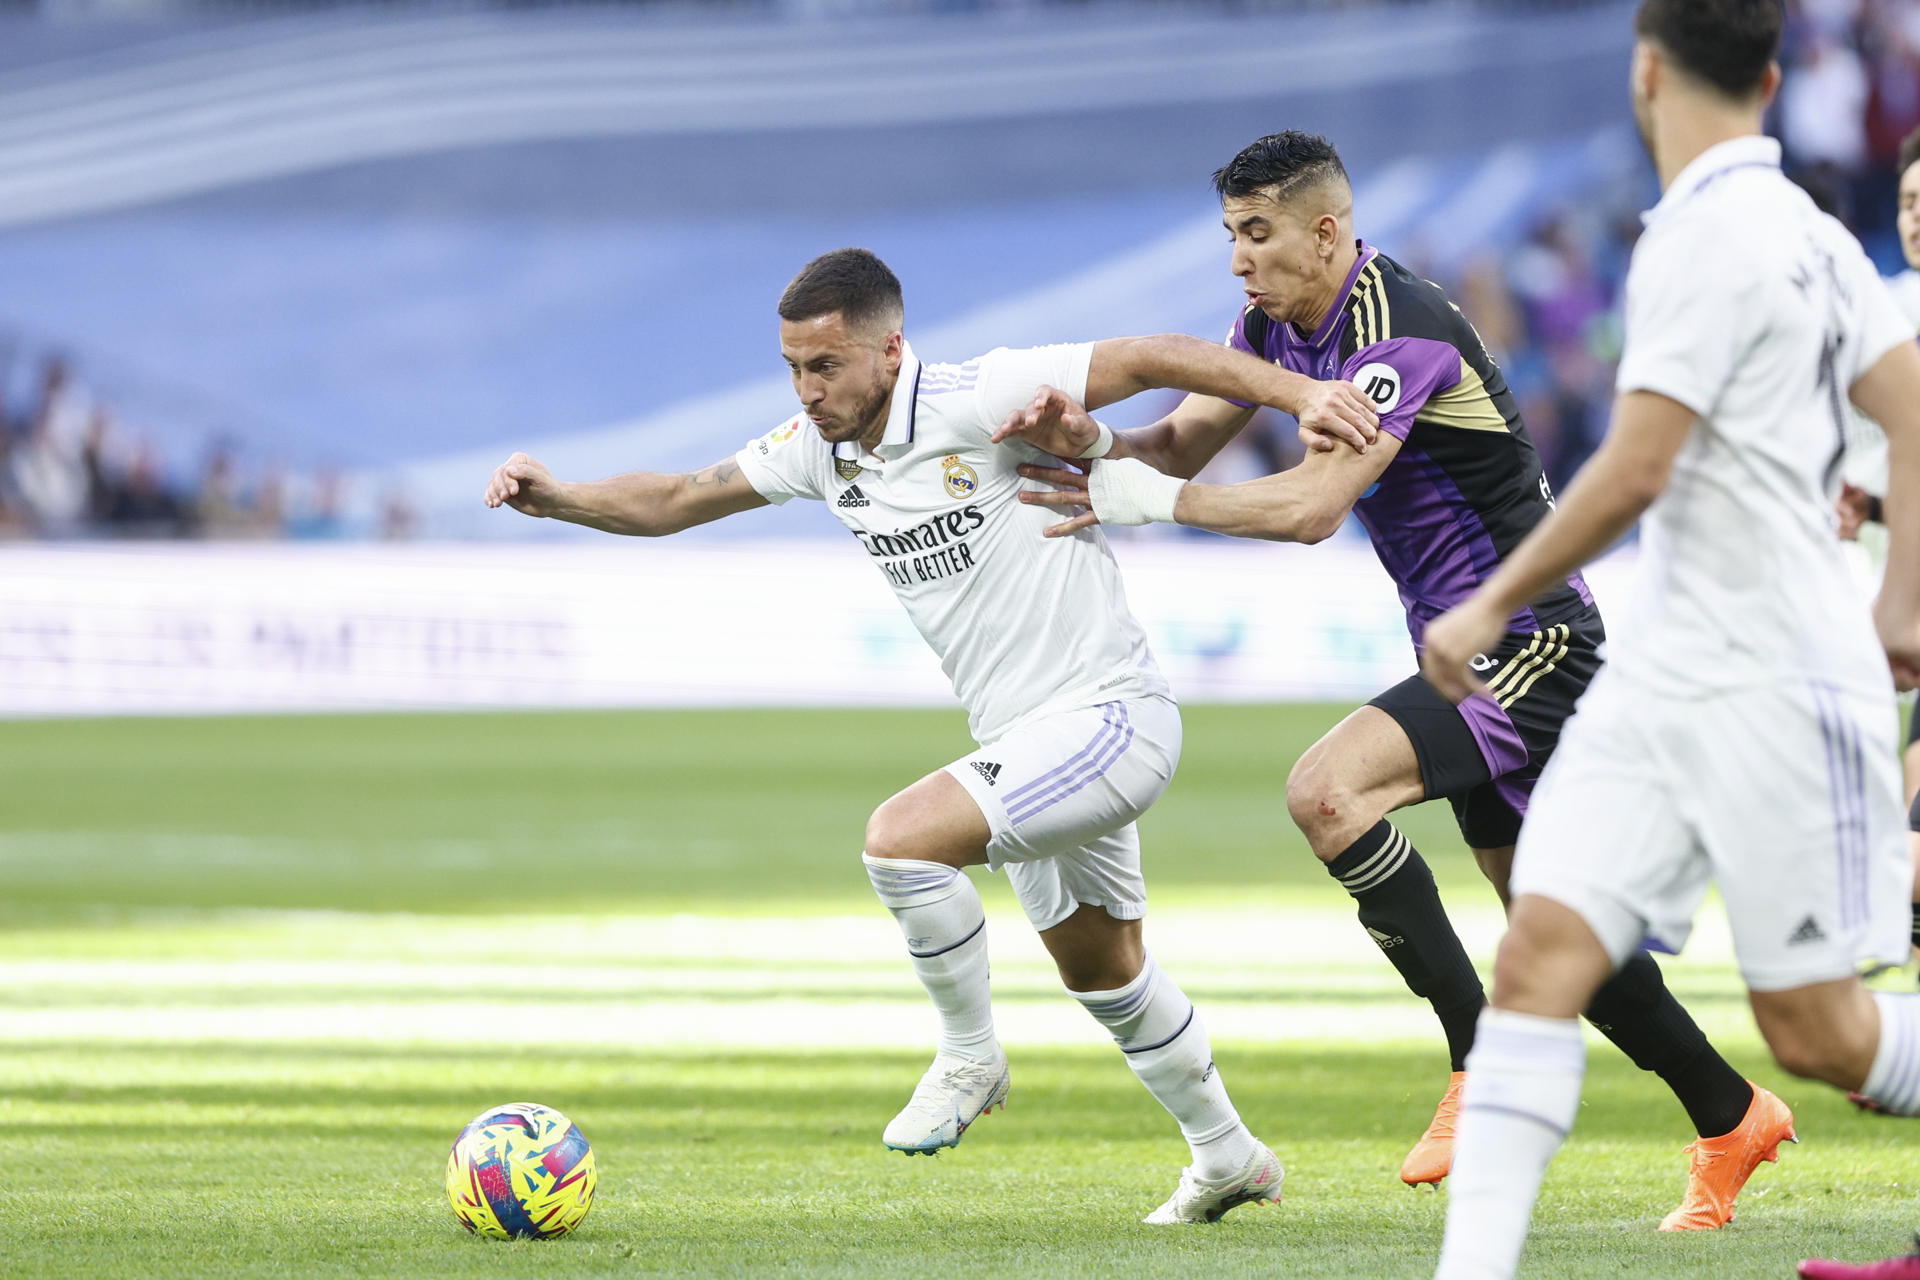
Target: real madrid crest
x=848 y=470
x=961 y=482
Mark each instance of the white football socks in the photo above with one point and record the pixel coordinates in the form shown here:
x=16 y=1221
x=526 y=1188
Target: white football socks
x=1523 y=1088
x=946 y=931
x=1161 y=1034
x=1894 y=1080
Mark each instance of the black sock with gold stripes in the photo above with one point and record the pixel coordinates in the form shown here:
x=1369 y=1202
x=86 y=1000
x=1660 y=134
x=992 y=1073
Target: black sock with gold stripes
x=1400 y=907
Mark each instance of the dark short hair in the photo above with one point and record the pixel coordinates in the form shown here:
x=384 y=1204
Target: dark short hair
x=853 y=282
x=1727 y=43
x=1289 y=162
x=1909 y=153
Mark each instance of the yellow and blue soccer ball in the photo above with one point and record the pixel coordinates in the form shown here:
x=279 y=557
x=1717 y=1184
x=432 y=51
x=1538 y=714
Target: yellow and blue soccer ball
x=521 y=1172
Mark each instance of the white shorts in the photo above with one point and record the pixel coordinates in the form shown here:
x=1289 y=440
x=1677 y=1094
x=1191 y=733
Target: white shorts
x=1061 y=795
x=1787 y=795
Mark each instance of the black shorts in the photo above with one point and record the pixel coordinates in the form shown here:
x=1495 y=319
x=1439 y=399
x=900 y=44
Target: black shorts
x=1485 y=754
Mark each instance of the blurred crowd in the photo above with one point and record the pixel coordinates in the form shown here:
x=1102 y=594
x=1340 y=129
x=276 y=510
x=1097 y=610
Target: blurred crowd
x=1852 y=92
x=69 y=470
x=1548 y=308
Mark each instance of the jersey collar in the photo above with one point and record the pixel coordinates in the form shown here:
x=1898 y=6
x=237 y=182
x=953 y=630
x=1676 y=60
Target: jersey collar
x=898 y=437
x=1751 y=152
x=1338 y=312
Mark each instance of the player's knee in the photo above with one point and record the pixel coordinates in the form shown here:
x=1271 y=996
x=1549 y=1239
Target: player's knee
x=1522 y=968
x=1801 y=1055
x=1094 y=973
x=1317 y=800
x=1513 y=968
x=1102 y=960
x=1830 y=1041
x=890 y=831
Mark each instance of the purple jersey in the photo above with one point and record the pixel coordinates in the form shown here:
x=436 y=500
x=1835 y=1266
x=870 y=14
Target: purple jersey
x=1467 y=485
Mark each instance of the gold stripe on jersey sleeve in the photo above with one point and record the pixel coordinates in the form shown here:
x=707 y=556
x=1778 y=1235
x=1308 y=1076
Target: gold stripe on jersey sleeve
x=1386 y=308
x=1362 y=322
x=1500 y=677
x=1364 y=287
x=1465 y=405
x=1560 y=635
x=1375 y=288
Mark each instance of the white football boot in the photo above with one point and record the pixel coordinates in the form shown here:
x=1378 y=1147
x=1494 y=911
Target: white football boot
x=1199 y=1199
x=953 y=1094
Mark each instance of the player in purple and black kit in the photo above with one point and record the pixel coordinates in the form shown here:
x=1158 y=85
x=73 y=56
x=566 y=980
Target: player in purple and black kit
x=1450 y=486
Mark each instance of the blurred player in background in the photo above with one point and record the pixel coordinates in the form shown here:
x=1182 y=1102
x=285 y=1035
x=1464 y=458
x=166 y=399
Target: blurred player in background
x=1860 y=503
x=1738 y=732
x=1450 y=488
x=1079 y=733
x=1867 y=479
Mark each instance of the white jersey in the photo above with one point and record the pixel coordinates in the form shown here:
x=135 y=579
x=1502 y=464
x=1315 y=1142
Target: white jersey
x=1866 y=463
x=1906 y=292
x=1758 y=312
x=1025 y=626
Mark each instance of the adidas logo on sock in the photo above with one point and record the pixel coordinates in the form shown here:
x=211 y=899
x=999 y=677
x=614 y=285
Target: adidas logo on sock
x=1809 y=931
x=1385 y=940
x=852 y=498
x=991 y=772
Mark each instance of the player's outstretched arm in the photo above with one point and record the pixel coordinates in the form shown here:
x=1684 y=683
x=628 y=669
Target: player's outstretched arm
x=1304 y=504
x=644 y=503
x=1123 y=367
x=1889 y=393
x=1619 y=482
x=1179 y=444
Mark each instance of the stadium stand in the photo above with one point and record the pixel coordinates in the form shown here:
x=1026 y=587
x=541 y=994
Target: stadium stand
x=311 y=273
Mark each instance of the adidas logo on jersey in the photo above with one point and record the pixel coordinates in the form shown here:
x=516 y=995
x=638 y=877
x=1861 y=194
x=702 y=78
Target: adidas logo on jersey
x=991 y=772
x=1809 y=931
x=1386 y=940
x=852 y=498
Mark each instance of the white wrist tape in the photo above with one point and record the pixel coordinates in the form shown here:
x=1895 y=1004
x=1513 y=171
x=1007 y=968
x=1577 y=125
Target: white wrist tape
x=1128 y=491
x=1102 y=444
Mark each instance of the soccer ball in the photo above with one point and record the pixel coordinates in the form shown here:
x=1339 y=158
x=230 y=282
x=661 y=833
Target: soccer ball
x=522 y=1171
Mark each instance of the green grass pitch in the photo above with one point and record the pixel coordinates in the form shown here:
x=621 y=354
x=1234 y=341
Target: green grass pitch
x=254 y=974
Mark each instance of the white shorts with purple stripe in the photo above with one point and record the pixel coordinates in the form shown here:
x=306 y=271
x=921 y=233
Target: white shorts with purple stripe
x=1785 y=795
x=1061 y=795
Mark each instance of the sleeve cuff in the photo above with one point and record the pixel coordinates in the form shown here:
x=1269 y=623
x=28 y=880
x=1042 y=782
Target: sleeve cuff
x=1673 y=388
x=763 y=481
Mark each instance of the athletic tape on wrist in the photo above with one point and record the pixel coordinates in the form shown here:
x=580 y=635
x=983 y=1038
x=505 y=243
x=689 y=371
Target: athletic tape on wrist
x=1126 y=491
x=1102 y=444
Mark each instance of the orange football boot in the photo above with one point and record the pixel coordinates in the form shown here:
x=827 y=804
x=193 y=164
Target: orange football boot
x=1432 y=1157
x=1722 y=1165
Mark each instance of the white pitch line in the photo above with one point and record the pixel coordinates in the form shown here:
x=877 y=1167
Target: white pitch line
x=1261 y=974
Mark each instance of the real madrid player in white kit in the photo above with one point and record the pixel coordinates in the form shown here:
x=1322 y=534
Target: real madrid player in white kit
x=1079 y=733
x=1743 y=728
